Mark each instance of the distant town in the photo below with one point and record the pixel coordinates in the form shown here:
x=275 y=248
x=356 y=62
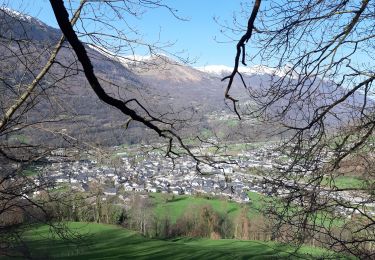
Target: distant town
x=153 y=172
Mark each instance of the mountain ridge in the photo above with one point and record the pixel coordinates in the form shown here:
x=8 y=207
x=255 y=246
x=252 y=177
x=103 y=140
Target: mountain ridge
x=165 y=87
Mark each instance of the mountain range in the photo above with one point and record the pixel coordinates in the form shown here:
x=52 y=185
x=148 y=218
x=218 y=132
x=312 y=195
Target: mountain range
x=167 y=88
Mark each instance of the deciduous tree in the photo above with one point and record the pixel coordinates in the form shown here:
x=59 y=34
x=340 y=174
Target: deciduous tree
x=321 y=94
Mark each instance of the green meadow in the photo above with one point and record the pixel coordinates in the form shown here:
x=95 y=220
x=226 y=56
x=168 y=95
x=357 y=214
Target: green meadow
x=100 y=241
x=175 y=206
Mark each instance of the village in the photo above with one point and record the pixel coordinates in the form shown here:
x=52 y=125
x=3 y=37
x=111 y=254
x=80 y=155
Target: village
x=153 y=172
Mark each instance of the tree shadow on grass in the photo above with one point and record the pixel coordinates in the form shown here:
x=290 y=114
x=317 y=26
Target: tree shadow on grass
x=175 y=199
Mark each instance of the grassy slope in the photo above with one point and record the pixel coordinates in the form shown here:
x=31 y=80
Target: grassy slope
x=177 y=206
x=111 y=242
x=174 y=208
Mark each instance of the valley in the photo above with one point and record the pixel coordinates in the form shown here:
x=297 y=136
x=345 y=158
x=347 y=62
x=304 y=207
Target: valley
x=113 y=147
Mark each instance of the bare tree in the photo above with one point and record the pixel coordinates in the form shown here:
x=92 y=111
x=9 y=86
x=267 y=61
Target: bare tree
x=37 y=71
x=321 y=93
x=26 y=66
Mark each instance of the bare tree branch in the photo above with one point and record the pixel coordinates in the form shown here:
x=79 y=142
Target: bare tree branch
x=241 y=54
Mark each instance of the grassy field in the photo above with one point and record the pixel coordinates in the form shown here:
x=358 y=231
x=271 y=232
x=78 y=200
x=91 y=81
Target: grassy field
x=348 y=182
x=112 y=242
x=175 y=206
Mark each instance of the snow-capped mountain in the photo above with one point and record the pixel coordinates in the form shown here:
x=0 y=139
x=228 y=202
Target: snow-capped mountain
x=125 y=60
x=155 y=67
x=20 y=16
x=20 y=26
x=222 y=70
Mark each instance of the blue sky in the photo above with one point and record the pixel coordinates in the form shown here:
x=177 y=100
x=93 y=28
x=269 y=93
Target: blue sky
x=196 y=36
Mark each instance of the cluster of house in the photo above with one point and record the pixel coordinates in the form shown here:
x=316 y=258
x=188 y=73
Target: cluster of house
x=153 y=172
